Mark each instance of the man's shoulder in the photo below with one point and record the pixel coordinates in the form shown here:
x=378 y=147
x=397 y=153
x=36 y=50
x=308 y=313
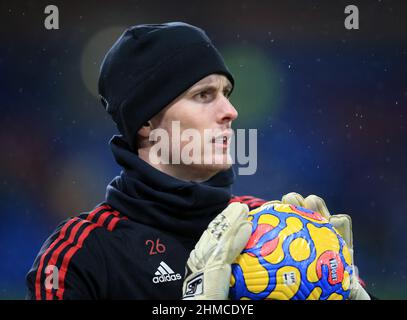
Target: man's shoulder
x=83 y=230
x=251 y=201
x=103 y=217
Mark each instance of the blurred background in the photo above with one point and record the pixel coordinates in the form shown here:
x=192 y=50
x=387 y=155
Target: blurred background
x=330 y=106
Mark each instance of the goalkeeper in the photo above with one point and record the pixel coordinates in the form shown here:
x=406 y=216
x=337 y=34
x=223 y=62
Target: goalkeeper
x=160 y=219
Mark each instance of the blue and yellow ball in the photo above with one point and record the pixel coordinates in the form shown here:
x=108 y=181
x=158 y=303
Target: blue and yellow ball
x=292 y=254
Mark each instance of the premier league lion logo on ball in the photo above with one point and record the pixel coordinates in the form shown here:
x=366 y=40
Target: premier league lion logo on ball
x=292 y=254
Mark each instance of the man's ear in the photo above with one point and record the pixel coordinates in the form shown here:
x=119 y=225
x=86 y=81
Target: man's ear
x=145 y=130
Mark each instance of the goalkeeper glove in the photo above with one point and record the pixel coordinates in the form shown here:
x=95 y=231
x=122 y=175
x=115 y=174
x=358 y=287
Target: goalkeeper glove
x=208 y=268
x=342 y=223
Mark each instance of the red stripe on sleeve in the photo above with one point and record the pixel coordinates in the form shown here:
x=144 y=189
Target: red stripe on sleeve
x=68 y=256
x=256 y=204
x=96 y=211
x=58 y=251
x=113 y=222
x=103 y=217
x=53 y=244
x=251 y=201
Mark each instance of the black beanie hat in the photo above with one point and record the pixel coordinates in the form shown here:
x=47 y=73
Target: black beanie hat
x=149 y=66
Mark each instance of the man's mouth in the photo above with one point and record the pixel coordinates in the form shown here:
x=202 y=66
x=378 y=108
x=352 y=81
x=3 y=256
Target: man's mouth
x=222 y=139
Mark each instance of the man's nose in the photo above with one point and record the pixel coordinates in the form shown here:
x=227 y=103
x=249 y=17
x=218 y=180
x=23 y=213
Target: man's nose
x=227 y=111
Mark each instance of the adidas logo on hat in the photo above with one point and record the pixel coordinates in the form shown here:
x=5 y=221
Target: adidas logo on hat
x=165 y=274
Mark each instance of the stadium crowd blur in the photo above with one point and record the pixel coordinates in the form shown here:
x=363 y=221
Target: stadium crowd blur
x=330 y=106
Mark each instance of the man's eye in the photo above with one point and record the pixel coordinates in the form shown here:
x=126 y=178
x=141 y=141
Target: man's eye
x=204 y=96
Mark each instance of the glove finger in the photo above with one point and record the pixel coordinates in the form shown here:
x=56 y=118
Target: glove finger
x=317 y=204
x=202 y=251
x=225 y=229
x=229 y=217
x=343 y=224
x=241 y=237
x=293 y=198
x=235 y=212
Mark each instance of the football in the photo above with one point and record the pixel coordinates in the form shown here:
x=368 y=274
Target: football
x=292 y=254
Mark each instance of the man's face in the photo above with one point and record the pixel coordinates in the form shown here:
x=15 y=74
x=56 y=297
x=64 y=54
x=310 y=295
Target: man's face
x=206 y=109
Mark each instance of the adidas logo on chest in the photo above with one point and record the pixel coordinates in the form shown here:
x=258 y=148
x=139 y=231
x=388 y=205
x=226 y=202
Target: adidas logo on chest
x=165 y=274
